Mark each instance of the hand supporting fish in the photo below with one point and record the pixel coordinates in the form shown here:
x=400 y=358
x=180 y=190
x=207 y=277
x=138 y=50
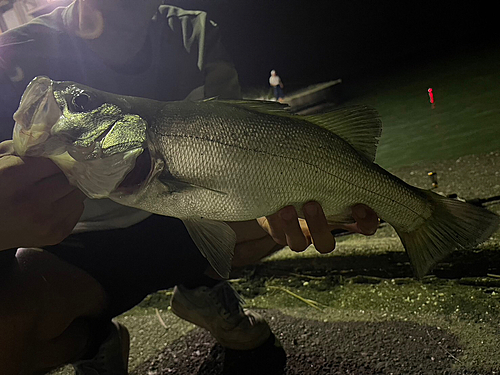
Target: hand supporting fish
x=216 y=161
x=286 y=228
x=39 y=206
x=254 y=242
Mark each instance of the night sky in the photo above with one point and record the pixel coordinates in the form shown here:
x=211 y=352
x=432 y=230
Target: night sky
x=319 y=40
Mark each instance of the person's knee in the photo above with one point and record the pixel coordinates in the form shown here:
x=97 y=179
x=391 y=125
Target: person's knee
x=40 y=298
x=63 y=292
x=41 y=295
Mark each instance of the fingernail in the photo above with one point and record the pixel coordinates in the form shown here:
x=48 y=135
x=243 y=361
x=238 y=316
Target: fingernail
x=311 y=209
x=360 y=211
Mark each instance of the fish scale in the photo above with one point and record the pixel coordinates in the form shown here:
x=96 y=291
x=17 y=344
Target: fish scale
x=214 y=161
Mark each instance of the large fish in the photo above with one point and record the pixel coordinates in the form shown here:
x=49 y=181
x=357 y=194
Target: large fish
x=213 y=161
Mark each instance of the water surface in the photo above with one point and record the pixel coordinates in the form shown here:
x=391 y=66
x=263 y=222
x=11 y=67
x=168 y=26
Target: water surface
x=465 y=119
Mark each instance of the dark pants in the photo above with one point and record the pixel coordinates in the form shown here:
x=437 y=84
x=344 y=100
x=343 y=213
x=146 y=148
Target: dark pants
x=131 y=263
x=278 y=92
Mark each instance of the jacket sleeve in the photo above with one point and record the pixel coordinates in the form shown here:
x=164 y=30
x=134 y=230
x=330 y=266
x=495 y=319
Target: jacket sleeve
x=9 y=101
x=200 y=39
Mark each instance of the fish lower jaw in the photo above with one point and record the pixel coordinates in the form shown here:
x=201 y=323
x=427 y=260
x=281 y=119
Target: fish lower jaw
x=26 y=142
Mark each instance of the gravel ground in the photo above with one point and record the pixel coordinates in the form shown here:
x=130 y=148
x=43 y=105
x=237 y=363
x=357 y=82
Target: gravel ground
x=313 y=347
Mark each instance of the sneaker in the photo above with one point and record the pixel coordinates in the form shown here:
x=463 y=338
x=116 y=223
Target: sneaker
x=219 y=310
x=111 y=357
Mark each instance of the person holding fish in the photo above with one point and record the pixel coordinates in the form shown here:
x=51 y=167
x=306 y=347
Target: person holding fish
x=101 y=258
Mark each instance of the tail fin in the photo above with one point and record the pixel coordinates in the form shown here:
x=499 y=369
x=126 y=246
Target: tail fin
x=453 y=225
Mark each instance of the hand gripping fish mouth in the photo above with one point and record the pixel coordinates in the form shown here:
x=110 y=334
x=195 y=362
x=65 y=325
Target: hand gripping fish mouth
x=100 y=146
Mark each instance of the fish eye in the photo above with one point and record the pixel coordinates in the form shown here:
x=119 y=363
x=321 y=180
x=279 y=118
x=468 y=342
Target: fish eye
x=81 y=102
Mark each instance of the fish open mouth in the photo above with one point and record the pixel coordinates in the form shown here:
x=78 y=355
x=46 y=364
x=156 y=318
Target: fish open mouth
x=138 y=175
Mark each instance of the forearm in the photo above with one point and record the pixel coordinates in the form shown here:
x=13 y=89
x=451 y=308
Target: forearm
x=10 y=95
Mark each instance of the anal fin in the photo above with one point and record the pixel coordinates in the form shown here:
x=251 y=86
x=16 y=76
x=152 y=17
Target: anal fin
x=216 y=241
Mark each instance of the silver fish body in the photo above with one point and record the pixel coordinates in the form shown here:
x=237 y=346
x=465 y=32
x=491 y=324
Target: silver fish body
x=214 y=161
x=241 y=164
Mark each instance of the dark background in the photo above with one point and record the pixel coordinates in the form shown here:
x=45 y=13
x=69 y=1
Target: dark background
x=318 y=40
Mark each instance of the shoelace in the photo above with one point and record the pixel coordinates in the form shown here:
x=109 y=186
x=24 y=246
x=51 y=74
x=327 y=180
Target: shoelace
x=230 y=301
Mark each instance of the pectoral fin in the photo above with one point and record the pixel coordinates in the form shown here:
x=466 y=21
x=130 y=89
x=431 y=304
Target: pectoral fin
x=216 y=241
x=174 y=184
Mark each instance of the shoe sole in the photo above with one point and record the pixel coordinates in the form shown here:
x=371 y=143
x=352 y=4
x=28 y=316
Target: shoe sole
x=185 y=314
x=125 y=340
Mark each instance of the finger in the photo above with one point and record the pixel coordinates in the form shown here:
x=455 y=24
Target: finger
x=366 y=219
x=318 y=226
x=53 y=188
x=71 y=206
x=274 y=226
x=41 y=167
x=74 y=198
x=295 y=238
x=56 y=221
x=69 y=218
x=28 y=170
x=6 y=148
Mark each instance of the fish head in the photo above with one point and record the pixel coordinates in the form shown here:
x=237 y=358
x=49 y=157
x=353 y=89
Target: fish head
x=93 y=136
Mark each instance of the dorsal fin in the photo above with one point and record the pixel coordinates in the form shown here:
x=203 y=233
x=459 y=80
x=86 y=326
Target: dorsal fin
x=359 y=125
x=264 y=106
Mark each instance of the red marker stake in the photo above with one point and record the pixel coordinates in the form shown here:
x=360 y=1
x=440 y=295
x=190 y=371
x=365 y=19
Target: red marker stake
x=431 y=96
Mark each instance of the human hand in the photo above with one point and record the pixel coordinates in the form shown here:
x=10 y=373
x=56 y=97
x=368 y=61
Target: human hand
x=253 y=243
x=259 y=238
x=39 y=206
x=286 y=228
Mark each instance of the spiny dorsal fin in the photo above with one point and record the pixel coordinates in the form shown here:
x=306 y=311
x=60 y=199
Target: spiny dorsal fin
x=359 y=125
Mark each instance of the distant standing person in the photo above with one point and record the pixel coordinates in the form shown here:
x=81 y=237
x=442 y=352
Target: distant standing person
x=277 y=85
